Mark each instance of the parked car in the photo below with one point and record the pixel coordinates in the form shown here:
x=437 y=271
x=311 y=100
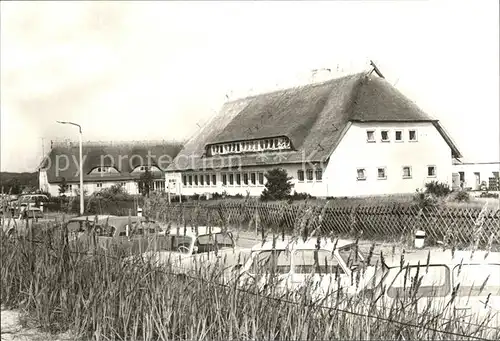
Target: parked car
x=294 y=264
x=130 y=234
x=475 y=280
x=188 y=249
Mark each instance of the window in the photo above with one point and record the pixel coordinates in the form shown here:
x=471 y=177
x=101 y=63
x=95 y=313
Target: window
x=406 y=172
x=276 y=261
x=384 y=134
x=214 y=179
x=231 y=179
x=431 y=171
x=435 y=281
x=304 y=263
x=462 y=176
x=98 y=185
x=190 y=180
x=319 y=174
x=208 y=243
x=398 y=136
x=245 y=178
x=381 y=173
x=261 y=178
x=238 y=179
x=202 y=180
x=224 y=179
x=196 y=180
x=309 y=174
x=207 y=179
x=477 y=279
x=412 y=135
x=351 y=256
x=252 y=178
x=370 y=135
x=361 y=174
x=300 y=175
x=160 y=185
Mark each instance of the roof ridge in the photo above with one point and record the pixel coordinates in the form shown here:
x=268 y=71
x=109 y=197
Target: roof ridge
x=297 y=87
x=111 y=143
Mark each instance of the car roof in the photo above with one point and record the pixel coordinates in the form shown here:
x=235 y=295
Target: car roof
x=91 y=217
x=444 y=257
x=300 y=244
x=191 y=231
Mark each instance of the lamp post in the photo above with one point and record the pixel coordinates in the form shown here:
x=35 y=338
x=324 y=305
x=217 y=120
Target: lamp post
x=81 y=165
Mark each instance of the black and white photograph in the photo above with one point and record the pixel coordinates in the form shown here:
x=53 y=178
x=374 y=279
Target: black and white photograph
x=250 y=170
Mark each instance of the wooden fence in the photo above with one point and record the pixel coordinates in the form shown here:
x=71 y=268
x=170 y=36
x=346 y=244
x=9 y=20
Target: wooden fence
x=458 y=226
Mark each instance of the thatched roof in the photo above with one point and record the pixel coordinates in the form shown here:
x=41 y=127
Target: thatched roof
x=314 y=117
x=125 y=157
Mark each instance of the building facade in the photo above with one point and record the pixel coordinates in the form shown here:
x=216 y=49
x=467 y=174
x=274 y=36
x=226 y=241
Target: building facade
x=471 y=175
x=105 y=165
x=352 y=136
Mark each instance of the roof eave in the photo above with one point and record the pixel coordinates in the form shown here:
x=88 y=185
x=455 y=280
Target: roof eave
x=454 y=149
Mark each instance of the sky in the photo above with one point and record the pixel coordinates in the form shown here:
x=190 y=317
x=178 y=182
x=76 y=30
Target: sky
x=159 y=70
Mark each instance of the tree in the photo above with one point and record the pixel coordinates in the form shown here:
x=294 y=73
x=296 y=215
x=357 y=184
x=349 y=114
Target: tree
x=14 y=186
x=145 y=182
x=63 y=186
x=278 y=186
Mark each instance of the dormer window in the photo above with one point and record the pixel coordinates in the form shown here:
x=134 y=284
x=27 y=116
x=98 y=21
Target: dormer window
x=103 y=170
x=278 y=143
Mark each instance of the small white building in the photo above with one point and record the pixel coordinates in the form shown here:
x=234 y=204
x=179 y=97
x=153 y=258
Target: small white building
x=352 y=136
x=105 y=165
x=470 y=175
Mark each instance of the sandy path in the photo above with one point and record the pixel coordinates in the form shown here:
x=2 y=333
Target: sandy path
x=11 y=330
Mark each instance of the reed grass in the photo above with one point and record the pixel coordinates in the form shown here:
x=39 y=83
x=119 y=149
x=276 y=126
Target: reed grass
x=98 y=296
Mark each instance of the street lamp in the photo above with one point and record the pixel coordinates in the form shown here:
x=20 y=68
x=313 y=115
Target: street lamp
x=81 y=163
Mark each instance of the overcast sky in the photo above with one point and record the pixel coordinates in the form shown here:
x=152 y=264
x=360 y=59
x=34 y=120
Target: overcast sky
x=154 y=70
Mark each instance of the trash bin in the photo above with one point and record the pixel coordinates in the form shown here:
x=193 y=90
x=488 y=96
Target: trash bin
x=419 y=239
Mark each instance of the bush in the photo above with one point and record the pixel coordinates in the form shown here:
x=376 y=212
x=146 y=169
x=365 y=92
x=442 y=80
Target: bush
x=278 y=185
x=423 y=199
x=438 y=189
x=176 y=198
x=217 y=196
x=489 y=195
x=301 y=196
x=113 y=200
x=462 y=196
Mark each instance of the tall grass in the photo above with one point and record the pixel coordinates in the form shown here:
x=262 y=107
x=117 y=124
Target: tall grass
x=100 y=297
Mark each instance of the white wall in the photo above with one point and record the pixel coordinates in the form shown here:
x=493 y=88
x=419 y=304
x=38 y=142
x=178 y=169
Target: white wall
x=255 y=190
x=90 y=187
x=485 y=172
x=355 y=152
x=43 y=182
x=315 y=188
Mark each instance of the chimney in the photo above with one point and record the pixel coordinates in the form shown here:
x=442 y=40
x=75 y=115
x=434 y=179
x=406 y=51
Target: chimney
x=320 y=75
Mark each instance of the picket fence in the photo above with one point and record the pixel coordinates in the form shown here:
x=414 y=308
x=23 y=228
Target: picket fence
x=458 y=226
